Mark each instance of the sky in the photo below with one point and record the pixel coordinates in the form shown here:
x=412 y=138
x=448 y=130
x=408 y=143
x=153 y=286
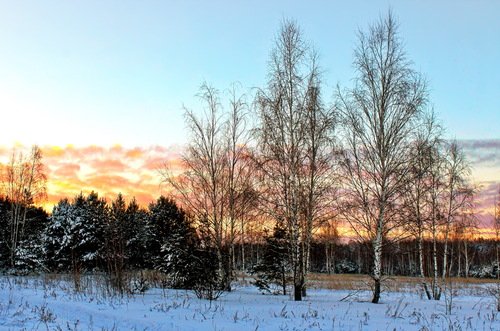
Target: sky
x=97 y=75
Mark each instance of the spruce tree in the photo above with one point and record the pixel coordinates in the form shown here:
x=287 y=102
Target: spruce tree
x=273 y=271
x=57 y=238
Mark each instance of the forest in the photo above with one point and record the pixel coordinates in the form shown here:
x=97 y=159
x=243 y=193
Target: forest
x=277 y=184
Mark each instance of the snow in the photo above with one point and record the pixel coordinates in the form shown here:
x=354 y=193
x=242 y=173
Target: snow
x=40 y=303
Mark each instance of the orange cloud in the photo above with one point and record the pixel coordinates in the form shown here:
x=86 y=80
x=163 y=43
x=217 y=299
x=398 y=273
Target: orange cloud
x=68 y=170
x=134 y=172
x=108 y=165
x=134 y=153
x=53 y=151
x=106 y=170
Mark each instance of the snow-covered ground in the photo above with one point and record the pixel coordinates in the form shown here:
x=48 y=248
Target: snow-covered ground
x=38 y=304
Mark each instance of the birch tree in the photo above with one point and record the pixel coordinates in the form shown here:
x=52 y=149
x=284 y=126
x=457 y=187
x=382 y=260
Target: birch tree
x=293 y=136
x=214 y=184
x=496 y=225
x=416 y=202
x=456 y=194
x=379 y=118
x=436 y=207
x=25 y=184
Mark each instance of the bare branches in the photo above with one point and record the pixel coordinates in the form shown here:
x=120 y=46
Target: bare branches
x=295 y=145
x=25 y=184
x=379 y=116
x=216 y=181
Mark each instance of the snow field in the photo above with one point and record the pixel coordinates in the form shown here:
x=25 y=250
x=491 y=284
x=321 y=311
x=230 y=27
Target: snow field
x=35 y=303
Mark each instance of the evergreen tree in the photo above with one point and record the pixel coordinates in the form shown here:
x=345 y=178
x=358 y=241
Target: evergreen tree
x=74 y=238
x=177 y=255
x=164 y=217
x=274 y=268
x=57 y=237
x=29 y=251
x=90 y=247
x=114 y=241
x=137 y=233
x=4 y=234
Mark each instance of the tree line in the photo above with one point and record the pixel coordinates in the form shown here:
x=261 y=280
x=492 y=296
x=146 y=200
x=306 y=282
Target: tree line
x=267 y=180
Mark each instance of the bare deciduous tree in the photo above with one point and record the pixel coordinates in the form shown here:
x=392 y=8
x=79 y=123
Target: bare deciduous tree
x=379 y=117
x=215 y=185
x=294 y=135
x=464 y=229
x=456 y=193
x=416 y=202
x=25 y=184
x=496 y=223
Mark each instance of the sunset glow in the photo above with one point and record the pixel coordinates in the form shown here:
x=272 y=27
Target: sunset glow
x=134 y=172
x=102 y=89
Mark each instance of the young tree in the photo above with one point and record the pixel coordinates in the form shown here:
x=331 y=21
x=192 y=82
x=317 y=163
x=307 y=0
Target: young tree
x=274 y=269
x=321 y=180
x=293 y=134
x=436 y=186
x=416 y=202
x=238 y=173
x=379 y=117
x=215 y=185
x=25 y=184
x=496 y=223
x=115 y=242
x=456 y=194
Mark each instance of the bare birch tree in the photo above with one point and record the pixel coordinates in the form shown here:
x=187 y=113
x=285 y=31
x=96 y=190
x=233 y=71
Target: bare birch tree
x=464 y=229
x=496 y=224
x=214 y=185
x=239 y=179
x=379 y=118
x=456 y=194
x=417 y=188
x=25 y=184
x=293 y=137
x=435 y=219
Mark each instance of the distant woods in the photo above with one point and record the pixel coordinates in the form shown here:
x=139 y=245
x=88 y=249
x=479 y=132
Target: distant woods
x=269 y=178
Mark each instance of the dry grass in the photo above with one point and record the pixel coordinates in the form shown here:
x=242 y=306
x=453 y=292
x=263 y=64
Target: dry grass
x=392 y=283
x=339 y=281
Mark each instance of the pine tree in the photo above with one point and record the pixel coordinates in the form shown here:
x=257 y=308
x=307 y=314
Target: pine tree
x=89 y=241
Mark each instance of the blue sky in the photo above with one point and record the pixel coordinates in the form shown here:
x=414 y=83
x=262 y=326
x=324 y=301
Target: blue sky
x=118 y=72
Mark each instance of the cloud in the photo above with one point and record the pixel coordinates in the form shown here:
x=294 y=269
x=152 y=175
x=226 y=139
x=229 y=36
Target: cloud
x=106 y=170
x=108 y=165
x=68 y=170
x=482 y=152
x=134 y=153
x=135 y=171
